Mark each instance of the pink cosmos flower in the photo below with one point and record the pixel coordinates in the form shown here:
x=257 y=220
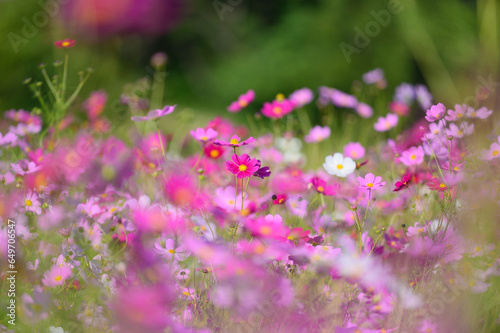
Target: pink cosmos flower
x=234 y=142
x=94 y=105
x=155 y=114
x=242 y=102
x=459 y=131
x=492 y=153
x=343 y=100
x=321 y=187
x=317 y=134
x=279 y=199
x=32 y=204
x=25 y=168
x=277 y=109
x=242 y=166
x=436 y=112
x=481 y=113
x=354 y=150
x=399 y=108
x=437 y=185
x=413 y=156
x=212 y=151
x=375 y=76
x=203 y=135
x=364 y=110
x=384 y=124
x=403 y=183
x=56 y=276
x=370 y=182
x=458 y=113
x=7 y=139
x=301 y=97
x=166 y=248
x=65 y=43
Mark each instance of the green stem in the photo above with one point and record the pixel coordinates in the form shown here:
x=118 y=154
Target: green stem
x=75 y=93
x=51 y=86
x=65 y=74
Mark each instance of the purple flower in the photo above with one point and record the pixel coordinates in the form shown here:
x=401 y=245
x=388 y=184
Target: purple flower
x=155 y=114
x=262 y=172
x=424 y=97
x=24 y=167
x=204 y=135
x=436 y=112
x=364 y=110
x=404 y=93
x=8 y=138
x=374 y=76
x=343 y=100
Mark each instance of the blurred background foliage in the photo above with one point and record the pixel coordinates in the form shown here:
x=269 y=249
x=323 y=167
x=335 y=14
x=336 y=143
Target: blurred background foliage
x=220 y=49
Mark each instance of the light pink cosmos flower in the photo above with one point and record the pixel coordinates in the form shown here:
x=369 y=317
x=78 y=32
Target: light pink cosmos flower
x=364 y=110
x=458 y=113
x=343 y=100
x=7 y=139
x=435 y=129
x=384 y=124
x=301 y=97
x=481 y=113
x=317 y=134
x=204 y=135
x=56 y=276
x=155 y=114
x=492 y=153
x=354 y=150
x=413 y=156
x=224 y=198
x=459 y=132
x=242 y=166
x=166 y=248
x=32 y=204
x=25 y=168
x=94 y=105
x=370 y=182
x=242 y=102
x=436 y=112
x=24 y=129
x=234 y=142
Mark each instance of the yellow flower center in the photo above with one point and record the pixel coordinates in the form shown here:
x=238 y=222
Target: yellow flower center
x=204 y=138
x=460 y=133
x=459 y=115
x=29 y=203
x=369 y=184
x=242 y=103
x=265 y=230
x=320 y=189
x=473 y=114
x=171 y=251
x=442 y=185
x=65 y=44
x=234 y=141
x=413 y=157
x=58 y=278
x=277 y=110
x=214 y=153
x=340 y=166
x=495 y=153
x=429 y=330
x=280 y=97
x=242 y=167
x=478 y=249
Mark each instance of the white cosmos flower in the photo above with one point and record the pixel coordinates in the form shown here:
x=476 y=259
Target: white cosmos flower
x=338 y=165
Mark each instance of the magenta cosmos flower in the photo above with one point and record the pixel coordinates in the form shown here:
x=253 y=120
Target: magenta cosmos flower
x=278 y=108
x=234 y=142
x=436 y=112
x=155 y=114
x=403 y=183
x=242 y=102
x=204 y=135
x=384 y=124
x=243 y=166
x=65 y=43
x=370 y=182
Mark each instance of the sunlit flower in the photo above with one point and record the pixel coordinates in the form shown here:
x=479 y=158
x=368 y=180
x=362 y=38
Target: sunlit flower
x=338 y=165
x=234 y=142
x=370 y=182
x=56 y=276
x=242 y=166
x=492 y=153
x=204 y=135
x=413 y=156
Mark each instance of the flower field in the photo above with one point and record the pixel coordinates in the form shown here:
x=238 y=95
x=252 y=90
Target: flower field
x=318 y=211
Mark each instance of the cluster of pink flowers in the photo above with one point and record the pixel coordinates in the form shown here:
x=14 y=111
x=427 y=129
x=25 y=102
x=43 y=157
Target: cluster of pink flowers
x=208 y=231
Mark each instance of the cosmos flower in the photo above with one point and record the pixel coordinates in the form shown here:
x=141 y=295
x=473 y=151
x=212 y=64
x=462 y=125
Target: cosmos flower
x=25 y=167
x=437 y=185
x=481 y=113
x=384 y=124
x=375 y=76
x=243 y=166
x=459 y=112
x=461 y=130
x=343 y=100
x=399 y=108
x=321 y=187
x=32 y=204
x=156 y=114
x=56 y=276
x=242 y=102
x=204 y=135
x=67 y=43
x=403 y=183
x=413 y=156
x=317 y=134
x=354 y=150
x=370 y=182
x=301 y=97
x=278 y=108
x=234 y=142
x=423 y=96
x=364 y=110
x=338 y=165
x=492 y=153
x=213 y=151
x=436 y=112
